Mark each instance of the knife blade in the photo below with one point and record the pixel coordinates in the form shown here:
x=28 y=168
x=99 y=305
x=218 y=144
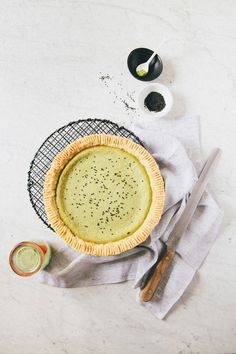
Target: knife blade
x=180 y=227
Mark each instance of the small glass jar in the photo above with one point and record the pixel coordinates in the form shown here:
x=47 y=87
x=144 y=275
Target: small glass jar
x=29 y=257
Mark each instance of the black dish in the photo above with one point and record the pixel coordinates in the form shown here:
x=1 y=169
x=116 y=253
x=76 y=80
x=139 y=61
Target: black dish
x=139 y=56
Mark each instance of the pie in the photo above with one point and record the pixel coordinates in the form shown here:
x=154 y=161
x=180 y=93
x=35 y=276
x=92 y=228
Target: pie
x=103 y=194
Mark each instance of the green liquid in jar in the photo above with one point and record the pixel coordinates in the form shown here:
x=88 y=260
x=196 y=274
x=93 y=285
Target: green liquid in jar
x=27 y=259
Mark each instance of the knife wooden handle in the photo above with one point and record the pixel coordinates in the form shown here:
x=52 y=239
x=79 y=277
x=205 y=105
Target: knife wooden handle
x=148 y=291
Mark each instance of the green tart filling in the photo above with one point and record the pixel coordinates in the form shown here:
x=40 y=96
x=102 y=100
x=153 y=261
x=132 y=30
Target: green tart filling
x=103 y=194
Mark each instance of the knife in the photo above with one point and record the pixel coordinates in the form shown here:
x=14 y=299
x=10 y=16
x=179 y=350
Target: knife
x=163 y=267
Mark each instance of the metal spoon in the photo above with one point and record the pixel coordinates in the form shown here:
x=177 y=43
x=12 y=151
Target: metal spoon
x=143 y=68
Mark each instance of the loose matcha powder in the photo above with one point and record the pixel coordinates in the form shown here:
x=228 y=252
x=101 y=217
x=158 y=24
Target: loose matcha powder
x=141 y=72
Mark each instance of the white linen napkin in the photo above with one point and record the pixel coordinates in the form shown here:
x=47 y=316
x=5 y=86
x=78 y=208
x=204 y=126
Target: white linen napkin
x=176 y=147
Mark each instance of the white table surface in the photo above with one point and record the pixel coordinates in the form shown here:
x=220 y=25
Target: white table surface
x=51 y=56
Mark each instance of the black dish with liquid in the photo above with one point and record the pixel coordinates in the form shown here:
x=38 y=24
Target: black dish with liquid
x=141 y=55
x=154 y=102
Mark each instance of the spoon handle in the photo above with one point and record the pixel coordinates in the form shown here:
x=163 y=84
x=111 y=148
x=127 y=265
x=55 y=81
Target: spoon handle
x=155 y=52
x=151 y=57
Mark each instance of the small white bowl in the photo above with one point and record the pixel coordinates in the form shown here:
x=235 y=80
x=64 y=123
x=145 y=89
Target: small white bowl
x=164 y=91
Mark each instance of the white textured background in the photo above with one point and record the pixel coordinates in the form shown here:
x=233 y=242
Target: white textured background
x=51 y=53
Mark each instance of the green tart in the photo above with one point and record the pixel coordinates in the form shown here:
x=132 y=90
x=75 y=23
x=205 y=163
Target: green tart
x=103 y=194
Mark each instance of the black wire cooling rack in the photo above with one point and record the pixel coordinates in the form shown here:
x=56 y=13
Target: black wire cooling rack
x=58 y=141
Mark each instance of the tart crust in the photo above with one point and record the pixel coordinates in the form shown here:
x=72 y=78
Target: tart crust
x=156 y=184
